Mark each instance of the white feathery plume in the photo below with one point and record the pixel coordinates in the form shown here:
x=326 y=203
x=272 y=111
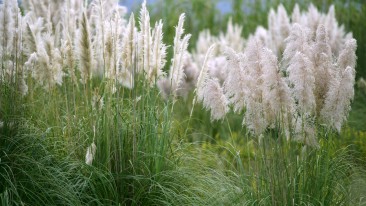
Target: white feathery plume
x=232 y=38
x=323 y=66
x=107 y=23
x=262 y=35
x=72 y=11
x=43 y=9
x=85 y=50
x=113 y=49
x=9 y=38
x=191 y=71
x=276 y=93
x=336 y=33
x=302 y=80
x=330 y=22
x=218 y=69
x=279 y=27
x=180 y=48
x=38 y=8
x=214 y=99
x=144 y=40
x=126 y=73
x=39 y=62
x=30 y=40
x=283 y=22
x=322 y=42
x=178 y=83
x=55 y=59
x=109 y=52
x=45 y=67
x=30 y=64
x=341 y=91
x=33 y=30
x=209 y=91
x=255 y=113
x=158 y=54
x=203 y=75
x=179 y=30
x=151 y=50
x=313 y=17
x=48 y=20
x=297 y=41
x=338 y=100
x=128 y=44
x=21 y=72
x=97 y=24
x=236 y=84
x=347 y=56
x=147 y=40
x=272 y=24
x=254 y=80
x=68 y=53
x=253 y=53
x=296 y=14
x=7 y=25
x=90 y=154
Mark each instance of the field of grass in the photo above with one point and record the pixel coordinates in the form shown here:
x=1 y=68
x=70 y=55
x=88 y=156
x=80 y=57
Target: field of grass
x=104 y=106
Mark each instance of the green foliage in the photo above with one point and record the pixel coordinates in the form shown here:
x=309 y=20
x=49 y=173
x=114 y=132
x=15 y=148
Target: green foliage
x=276 y=172
x=32 y=174
x=357 y=118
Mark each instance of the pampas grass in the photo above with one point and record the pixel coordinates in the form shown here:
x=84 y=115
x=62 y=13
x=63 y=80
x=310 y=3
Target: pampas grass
x=83 y=121
x=291 y=89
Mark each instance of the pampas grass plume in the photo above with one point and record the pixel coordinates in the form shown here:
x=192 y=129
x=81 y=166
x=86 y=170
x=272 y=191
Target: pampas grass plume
x=85 y=50
x=180 y=48
x=90 y=154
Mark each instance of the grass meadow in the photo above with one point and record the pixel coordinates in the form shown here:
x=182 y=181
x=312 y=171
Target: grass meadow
x=178 y=103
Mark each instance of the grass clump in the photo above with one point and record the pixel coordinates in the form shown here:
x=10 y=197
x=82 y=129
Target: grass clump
x=289 y=174
x=34 y=173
